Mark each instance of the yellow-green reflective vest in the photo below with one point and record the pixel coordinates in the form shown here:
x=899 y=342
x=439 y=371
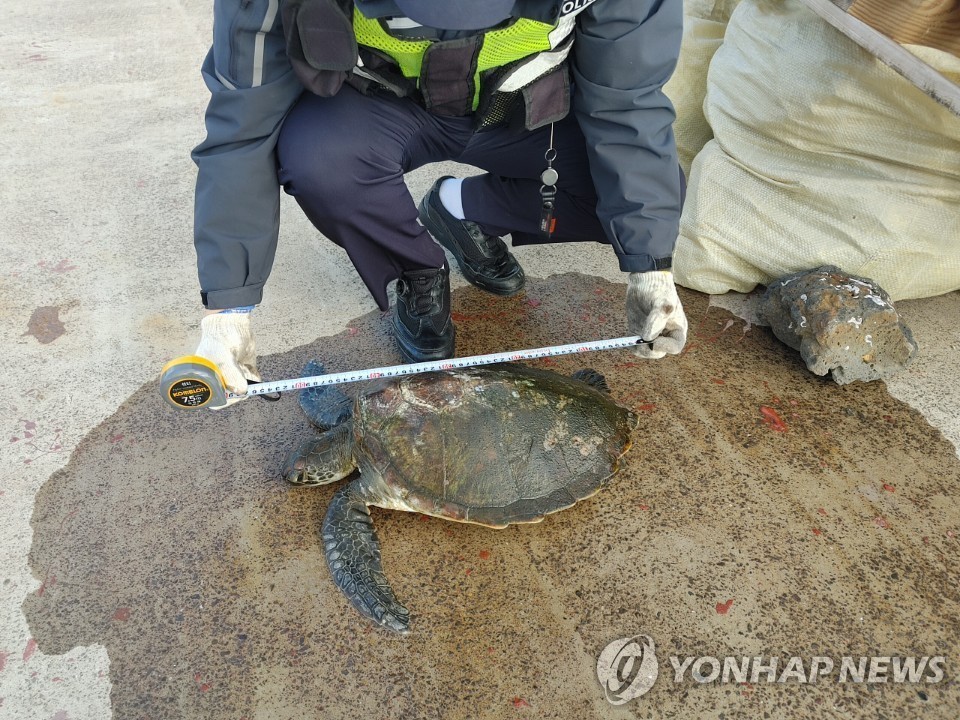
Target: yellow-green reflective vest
x=490 y=73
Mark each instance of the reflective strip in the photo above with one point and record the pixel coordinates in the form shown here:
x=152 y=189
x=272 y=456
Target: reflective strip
x=258 y=43
x=543 y=62
x=402 y=23
x=226 y=83
x=564 y=27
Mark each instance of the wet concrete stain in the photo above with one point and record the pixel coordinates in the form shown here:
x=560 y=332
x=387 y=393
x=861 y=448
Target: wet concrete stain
x=170 y=539
x=44 y=324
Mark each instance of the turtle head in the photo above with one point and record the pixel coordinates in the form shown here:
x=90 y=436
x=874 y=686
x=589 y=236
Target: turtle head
x=324 y=459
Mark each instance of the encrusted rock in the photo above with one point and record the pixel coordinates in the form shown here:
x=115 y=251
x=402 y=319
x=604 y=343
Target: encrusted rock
x=841 y=324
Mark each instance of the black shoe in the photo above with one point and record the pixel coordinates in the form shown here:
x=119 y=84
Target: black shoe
x=483 y=259
x=421 y=320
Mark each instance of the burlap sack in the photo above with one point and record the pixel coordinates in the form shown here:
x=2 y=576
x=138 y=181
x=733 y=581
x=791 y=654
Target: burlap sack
x=704 y=22
x=821 y=155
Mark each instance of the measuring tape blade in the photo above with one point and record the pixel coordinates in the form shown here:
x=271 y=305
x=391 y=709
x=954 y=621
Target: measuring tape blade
x=340 y=378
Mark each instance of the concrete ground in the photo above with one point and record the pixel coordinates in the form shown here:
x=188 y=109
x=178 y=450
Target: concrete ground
x=153 y=564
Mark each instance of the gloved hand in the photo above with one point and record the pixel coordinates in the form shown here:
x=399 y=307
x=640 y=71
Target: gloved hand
x=226 y=340
x=654 y=313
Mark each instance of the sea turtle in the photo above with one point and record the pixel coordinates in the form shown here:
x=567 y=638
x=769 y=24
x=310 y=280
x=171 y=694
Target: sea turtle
x=490 y=445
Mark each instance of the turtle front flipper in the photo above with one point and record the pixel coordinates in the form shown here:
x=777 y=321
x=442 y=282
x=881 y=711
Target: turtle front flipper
x=353 y=556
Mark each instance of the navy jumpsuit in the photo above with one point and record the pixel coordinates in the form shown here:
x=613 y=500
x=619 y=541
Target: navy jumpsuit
x=343 y=157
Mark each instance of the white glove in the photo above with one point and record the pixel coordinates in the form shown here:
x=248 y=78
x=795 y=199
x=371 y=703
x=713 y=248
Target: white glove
x=654 y=313
x=226 y=340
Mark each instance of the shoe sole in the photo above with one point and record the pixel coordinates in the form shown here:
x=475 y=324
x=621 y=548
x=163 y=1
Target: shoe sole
x=428 y=217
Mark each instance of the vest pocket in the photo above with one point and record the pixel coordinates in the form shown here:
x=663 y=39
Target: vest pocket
x=547 y=99
x=447 y=76
x=320 y=43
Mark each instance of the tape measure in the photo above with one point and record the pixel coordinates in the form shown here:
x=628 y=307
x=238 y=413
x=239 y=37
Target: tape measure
x=193 y=381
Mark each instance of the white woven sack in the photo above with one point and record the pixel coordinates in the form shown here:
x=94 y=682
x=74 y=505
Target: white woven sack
x=821 y=155
x=704 y=22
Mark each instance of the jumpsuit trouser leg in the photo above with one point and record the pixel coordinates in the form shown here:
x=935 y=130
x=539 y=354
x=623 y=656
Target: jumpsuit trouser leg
x=343 y=159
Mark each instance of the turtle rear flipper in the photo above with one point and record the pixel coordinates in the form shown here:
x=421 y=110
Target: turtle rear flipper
x=593 y=378
x=353 y=556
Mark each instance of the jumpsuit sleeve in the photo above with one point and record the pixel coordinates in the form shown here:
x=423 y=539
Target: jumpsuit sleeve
x=237 y=201
x=624 y=52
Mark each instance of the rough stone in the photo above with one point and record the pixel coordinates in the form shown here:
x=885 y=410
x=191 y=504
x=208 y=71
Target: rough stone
x=842 y=324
